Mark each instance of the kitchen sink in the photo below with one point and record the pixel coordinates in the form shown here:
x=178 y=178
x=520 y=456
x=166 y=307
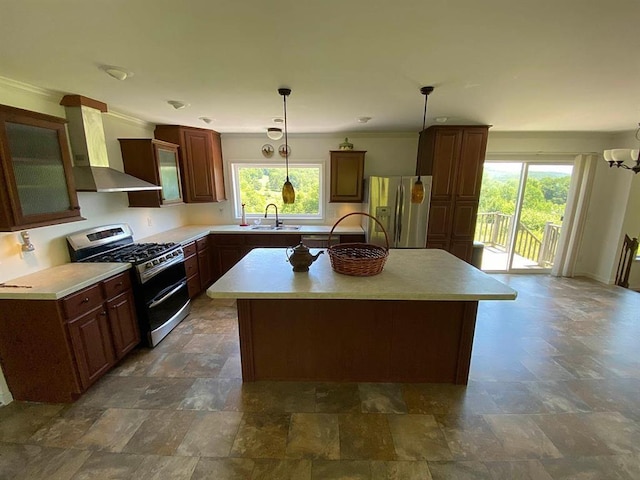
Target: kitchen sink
x=272 y=227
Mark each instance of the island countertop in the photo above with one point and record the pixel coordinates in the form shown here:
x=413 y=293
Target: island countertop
x=409 y=274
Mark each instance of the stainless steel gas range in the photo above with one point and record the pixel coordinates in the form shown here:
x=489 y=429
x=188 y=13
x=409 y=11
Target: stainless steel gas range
x=159 y=277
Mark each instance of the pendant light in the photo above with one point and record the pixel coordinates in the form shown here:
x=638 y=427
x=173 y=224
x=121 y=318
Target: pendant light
x=417 y=191
x=288 y=193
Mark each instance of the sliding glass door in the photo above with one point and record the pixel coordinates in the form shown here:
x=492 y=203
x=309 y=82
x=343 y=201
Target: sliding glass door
x=520 y=214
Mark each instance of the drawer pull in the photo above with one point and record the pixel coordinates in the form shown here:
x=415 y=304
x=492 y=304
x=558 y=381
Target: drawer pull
x=103 y=313
x=119 y=284
x=85 y=300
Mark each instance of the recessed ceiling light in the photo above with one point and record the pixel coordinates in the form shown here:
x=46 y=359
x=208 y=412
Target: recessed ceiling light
x=442 y=119
x=363 y=119
x=206 y=119
x=116 y=72
x=177 y=104
x=278 y=120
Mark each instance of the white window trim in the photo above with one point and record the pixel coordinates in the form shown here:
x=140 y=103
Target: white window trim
x=237 y=205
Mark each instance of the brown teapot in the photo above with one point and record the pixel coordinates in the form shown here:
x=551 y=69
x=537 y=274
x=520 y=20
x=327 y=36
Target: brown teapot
x=301 y=258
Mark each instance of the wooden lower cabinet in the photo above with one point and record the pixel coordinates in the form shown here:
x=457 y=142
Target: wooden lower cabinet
x=198 y=266
x=53 y=350
x=204 y=263
x=92 y=345
x=229 y=249
x=123 y=323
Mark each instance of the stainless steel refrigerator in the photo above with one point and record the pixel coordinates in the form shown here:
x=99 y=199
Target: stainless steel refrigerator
x=389 y=200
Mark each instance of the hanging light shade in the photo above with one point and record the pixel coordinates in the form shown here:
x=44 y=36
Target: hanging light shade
x=417 y=191
x=626 y=158
x=274 y=133
x=288 y=193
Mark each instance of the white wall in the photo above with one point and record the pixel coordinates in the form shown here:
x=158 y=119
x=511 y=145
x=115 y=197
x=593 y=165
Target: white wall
x=387 y=154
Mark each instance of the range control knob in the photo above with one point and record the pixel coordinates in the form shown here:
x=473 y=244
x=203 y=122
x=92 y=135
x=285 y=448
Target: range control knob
x=156 y=261
x=162 y=259
x=148 y=265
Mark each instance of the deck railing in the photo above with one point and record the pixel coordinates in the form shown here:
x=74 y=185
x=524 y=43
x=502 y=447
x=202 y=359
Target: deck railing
x=494 y=229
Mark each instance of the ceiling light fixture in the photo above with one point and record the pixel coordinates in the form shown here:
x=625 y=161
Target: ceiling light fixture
x=206 y=119
x=116 y=72
x=274 y=133
x=618 y=156
x=417 y=191
x=363 y=119
x=177 y=104
x=288 y=193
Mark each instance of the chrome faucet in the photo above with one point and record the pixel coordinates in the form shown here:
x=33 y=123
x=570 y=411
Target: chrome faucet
x=266 y=210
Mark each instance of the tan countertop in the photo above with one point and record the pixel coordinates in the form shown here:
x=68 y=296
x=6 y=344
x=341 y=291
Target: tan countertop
x=409 y=274
x=60 y=281
x=190 y=233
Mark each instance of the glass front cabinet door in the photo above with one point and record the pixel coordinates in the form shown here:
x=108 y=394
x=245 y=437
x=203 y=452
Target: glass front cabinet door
x=156 y=162
x=36 y=172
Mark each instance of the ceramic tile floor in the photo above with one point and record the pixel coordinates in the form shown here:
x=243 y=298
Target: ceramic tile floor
x=554 y=393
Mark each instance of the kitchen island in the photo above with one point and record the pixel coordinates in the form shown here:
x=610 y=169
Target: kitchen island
x=414 y=322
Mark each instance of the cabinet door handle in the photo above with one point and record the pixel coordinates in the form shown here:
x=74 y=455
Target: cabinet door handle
x=103 y=313
x=85 y=300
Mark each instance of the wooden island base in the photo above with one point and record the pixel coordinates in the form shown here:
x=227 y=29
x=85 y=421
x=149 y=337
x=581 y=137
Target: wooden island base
x=356 y=340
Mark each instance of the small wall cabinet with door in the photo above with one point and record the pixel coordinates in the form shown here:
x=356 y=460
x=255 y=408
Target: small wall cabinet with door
x=200 y=161
x=53 y=350
x=454 y=157
x=347 y=176
x=35 y=171
x=156 y=162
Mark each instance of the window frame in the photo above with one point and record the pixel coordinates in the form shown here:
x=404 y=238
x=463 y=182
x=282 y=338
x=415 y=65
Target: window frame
x=237 y=205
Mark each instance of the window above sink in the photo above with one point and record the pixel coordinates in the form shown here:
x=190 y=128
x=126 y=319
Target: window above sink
x=256 y=184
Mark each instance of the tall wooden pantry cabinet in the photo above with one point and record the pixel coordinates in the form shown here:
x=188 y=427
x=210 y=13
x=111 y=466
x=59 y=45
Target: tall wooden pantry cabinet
x=454 y=157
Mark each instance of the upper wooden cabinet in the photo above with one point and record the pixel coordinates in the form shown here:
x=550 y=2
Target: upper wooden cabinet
x=200 y=156
x=347 y=174
x=156 y=162
x=36 y=179
x=454 y=157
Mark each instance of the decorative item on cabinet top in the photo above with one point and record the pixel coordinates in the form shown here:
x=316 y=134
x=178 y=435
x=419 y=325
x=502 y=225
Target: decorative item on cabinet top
x=346 y=145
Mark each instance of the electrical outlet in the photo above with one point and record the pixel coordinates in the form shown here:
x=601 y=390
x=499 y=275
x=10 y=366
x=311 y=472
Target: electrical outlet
x=149 y=222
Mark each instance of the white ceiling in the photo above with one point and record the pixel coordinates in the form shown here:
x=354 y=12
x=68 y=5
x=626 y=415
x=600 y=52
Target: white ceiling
x=543 y=65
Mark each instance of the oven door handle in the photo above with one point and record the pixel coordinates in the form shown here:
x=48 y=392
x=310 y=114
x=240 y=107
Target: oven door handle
x=155 y=303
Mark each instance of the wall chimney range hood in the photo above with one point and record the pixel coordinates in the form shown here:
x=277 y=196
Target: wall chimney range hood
x=91 y=169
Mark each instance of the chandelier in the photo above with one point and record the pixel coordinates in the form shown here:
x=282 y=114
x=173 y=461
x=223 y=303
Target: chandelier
x=626 y=158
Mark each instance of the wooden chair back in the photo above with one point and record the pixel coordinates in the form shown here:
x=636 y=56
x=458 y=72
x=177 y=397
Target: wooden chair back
x=628 y=254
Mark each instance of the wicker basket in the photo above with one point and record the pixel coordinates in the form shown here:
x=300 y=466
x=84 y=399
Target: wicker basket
x=358 y=259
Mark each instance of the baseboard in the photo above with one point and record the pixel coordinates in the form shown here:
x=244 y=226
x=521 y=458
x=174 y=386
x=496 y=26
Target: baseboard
x=597 y=278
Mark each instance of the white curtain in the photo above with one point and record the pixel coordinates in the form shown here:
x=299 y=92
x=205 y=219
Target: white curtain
x=584 y=167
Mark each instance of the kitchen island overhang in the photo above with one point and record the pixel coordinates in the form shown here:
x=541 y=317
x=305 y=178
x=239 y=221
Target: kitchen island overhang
x=413 y=322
